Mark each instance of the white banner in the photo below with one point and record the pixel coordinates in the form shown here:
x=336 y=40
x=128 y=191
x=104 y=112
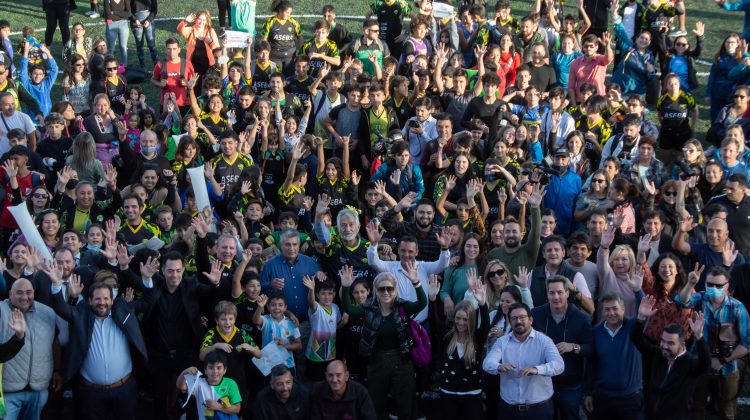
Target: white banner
x=236 y=39
x=442 y=10
x=29 y=230
x=198 y=179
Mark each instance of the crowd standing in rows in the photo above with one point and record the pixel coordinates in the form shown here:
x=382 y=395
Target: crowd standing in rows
x=447 y=214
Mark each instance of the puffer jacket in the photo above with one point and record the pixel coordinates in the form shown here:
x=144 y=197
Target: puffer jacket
x=33 y=365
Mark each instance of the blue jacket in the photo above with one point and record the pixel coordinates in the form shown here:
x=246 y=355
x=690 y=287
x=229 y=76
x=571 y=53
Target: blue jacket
x=42 y=91
x=719 y=83
x=411 y=180
x=734 y=6
x=631 y=73
x=562 y=193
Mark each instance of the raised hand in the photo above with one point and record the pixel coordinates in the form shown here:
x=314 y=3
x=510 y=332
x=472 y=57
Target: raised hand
x=450 y=182
x=433 y=287
x=644 y=244
x=200 y=225
x=246 y=187
x=75 y=286
x=523 y=278
x=686 y=224
x=478 y=289
x=608 y=236
x=356 y=178
x=53 y=271
x=697 y=322
x=373 y=233
x=729 y=253
x=208 y=170
x=309 y=282
x=129 y=295
x=537 y=196
x=17 y=323
x=649 y=186
x=699 y=29
x=410 y=267
x=110 y=176
x=149 y=268
x=406 y=201
x=695 y=275
x=396 y=177
x=33 y=259
x=262 y=301
x=215 y=275
x=646 y=308
x=347 y=276
x=110 y=249
x=605 y=39
x=10 y=168
x=123 y=258
x=444 y=239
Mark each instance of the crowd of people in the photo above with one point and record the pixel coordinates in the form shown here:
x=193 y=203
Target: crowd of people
x=459 y=211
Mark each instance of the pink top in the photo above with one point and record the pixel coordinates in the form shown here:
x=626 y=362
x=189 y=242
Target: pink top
x=588 y=70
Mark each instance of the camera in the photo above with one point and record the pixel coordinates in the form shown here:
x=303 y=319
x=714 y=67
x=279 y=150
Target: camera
x=685 y=170
x=382 y=145
x=413 y=124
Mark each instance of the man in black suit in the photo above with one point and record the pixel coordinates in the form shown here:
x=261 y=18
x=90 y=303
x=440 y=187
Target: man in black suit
x=102 y=333
x=65 y=263
x=674 y=369
x=173 y=326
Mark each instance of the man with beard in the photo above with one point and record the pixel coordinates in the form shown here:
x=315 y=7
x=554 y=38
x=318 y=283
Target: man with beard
x=674 y=369
x=135 y=230
x=526 y=360
x=421 y=228
x=283 y=399
x=527 y=37
x=570 y=330
x=624 y=146
x=66 y=264
x=738 y=211
x=591 y=67
x=615 y=388
x=564 y=188
x=512 y=252
x=102 y=333
x=338 y=397
x=343 y=247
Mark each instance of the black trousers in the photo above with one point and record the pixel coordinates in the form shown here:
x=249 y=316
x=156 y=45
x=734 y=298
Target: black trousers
x=540 y=412
x=225 y=13
x=164 y=370
x=630 y=407
x=57 y=15
x=111 y=404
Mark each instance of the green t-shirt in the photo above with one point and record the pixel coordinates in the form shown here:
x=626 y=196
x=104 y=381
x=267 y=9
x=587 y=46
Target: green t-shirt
x=225 y=392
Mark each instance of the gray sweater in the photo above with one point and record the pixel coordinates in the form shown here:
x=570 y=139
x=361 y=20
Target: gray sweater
x=32 y=365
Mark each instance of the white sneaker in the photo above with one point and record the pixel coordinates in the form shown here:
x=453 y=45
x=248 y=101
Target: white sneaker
x=92 y=14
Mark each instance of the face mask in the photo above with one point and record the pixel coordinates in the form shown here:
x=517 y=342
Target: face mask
x=114 y=293
x=148 y=151
x=714 y=293
x=490 y=177
x=94 y=247
x=560 y=169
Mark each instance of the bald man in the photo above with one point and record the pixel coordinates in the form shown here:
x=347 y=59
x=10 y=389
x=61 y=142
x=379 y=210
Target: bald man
x=26 y=377
x=339 y=398
x=718 y=250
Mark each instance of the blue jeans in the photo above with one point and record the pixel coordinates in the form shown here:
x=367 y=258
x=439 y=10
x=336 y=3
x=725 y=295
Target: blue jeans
x=24 y=405
x=119 y=32
x=138 y=32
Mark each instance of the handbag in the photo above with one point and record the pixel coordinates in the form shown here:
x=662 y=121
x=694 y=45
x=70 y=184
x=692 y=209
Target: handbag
x=421 y=348
x=724 y=338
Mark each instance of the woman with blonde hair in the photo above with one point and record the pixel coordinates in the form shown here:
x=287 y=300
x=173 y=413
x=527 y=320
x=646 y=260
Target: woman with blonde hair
x=496 y=277
x=618 y=272
x=385 y=339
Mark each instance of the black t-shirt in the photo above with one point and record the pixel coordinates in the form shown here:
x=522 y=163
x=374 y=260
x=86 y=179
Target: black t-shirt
x=543 y=77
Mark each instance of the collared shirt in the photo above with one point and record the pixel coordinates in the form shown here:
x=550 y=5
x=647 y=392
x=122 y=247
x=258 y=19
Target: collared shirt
x=405 y=289
x=537 y=351
x=588 y=70
x=731 y=311
x=108 y=359
x=295 y=291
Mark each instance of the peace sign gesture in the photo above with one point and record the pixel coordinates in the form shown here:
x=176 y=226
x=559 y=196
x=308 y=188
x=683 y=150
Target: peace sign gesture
x=695 y=275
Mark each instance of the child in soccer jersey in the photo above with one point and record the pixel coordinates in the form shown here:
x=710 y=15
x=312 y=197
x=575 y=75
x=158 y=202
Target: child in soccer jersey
x=277 y=327
x=678 y=115
x=214 y=392
x=325 y=318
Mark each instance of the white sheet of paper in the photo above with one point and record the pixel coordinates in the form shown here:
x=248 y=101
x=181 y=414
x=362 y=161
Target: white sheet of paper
x=442 y=10
x=28 y=228
x=236 y=39
x=178 y=138
x=272 y=355
x=191 y=381
x=198 y=179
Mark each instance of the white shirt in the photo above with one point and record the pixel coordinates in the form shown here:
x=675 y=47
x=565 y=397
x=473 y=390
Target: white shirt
x=17 y=120
x=628 y=18
x=405 y=289
x=537 y=351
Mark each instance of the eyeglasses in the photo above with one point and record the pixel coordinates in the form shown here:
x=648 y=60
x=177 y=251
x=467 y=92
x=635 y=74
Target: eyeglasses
x=386 y=289
x=377 y=31
x=111 y=69
x=519 y=318
x=671 y=193
x=715 y=285
x=686 y=150
x=499 y=272
x=599 y=180
x=44 y=196
x=681 y=44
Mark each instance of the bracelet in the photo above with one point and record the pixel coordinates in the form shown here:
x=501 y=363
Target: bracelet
x=417 y=284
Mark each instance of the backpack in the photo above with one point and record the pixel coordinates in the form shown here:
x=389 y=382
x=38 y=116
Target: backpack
x=421 y=349
x=163 y=63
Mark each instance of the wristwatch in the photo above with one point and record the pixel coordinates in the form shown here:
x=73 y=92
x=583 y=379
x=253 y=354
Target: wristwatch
x=576 y=348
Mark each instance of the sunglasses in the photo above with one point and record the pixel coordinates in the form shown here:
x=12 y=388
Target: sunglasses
x=740 y=96
x=499 y=272
x=671 y=193
x=79 y=64
x=681 y=44
x=599 y=180
x=377 y=31
x=44 y=196
x=111 y=68
x=386 y=289
x=715 y=285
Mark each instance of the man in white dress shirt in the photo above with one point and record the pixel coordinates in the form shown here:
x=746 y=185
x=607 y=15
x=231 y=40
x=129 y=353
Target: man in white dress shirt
x=527 y=361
